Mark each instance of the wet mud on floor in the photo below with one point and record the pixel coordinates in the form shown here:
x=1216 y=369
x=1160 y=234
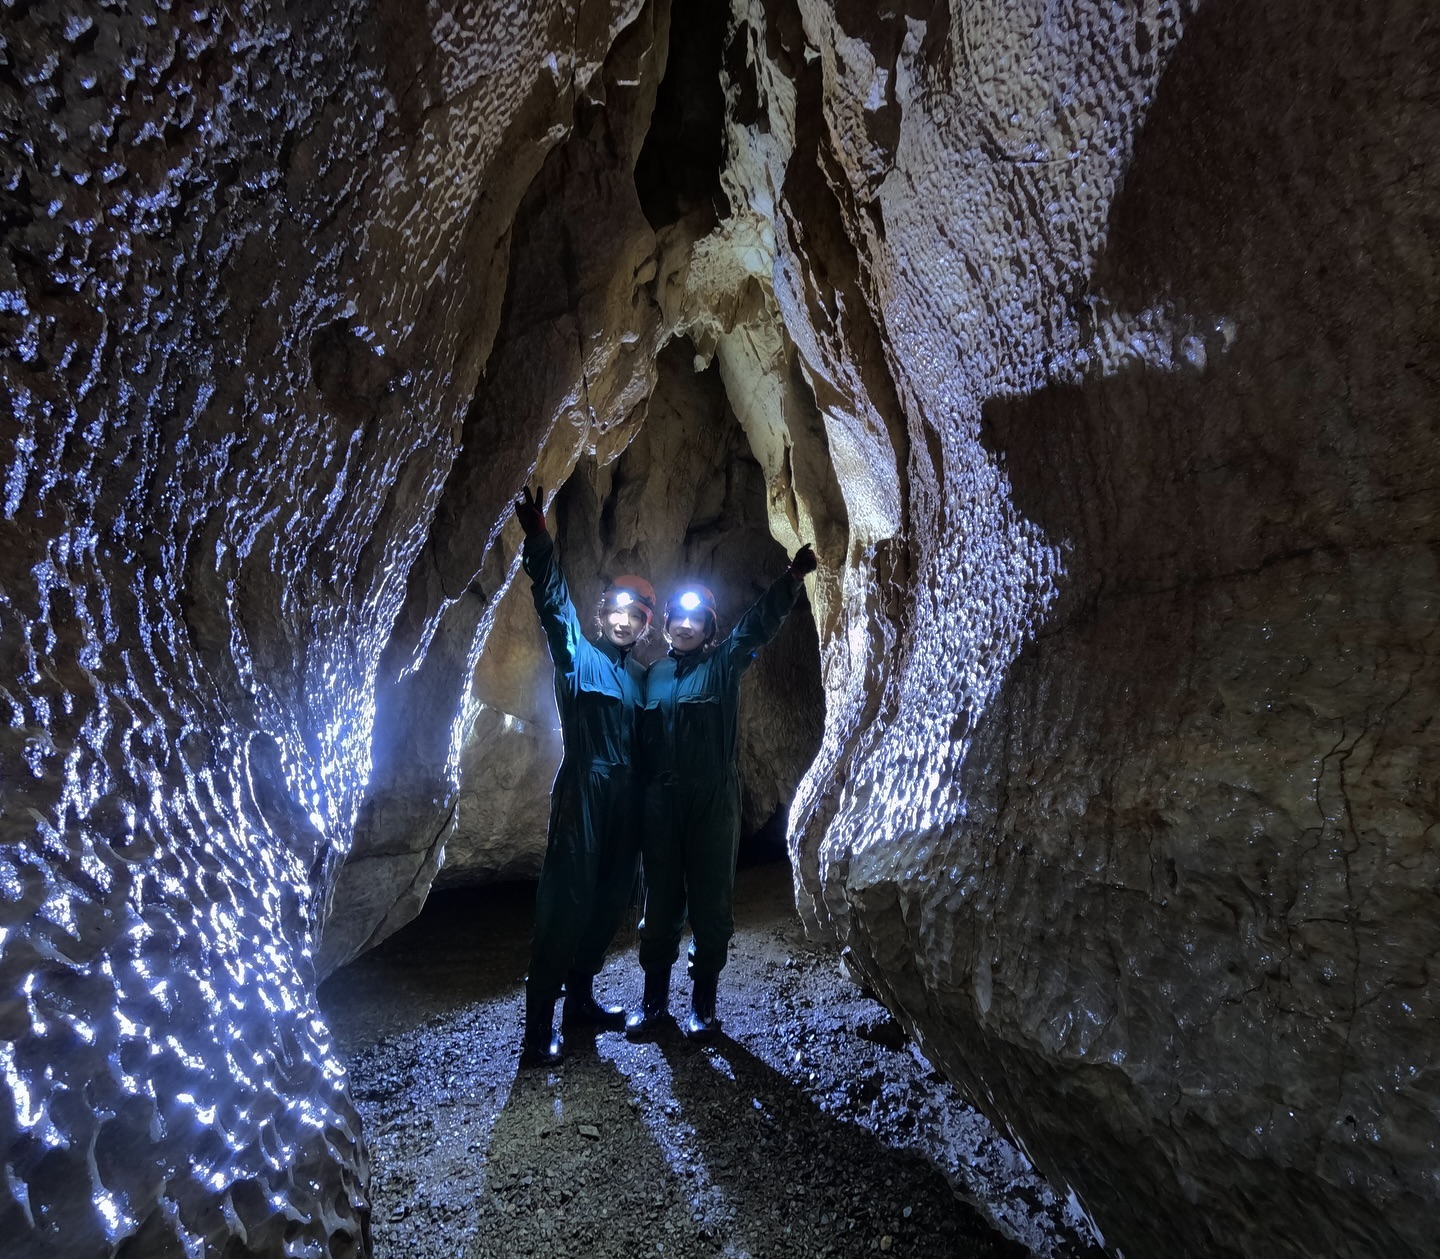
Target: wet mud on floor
x=810 y=1128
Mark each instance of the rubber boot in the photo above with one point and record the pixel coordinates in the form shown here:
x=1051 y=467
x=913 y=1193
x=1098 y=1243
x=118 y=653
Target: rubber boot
x=654 y=1010
x=582 y=1010
x=703 y=1023
x=540 y=1047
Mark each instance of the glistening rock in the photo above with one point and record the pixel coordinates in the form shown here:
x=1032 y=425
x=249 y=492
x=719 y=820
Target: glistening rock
x=686 y=499
x=1091 y=346
x=1138 y=831
x=252 y=264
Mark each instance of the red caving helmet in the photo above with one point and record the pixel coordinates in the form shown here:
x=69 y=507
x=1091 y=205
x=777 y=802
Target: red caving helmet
x=630 y=591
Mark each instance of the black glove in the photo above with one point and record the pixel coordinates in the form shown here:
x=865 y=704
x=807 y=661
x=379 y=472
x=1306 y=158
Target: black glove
x=530 y=511
x=804 y=562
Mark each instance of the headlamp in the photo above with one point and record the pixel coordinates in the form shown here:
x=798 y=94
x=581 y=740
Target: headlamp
x=689 y=601
x=623 y=599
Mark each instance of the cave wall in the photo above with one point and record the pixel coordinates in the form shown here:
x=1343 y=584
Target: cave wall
x=1127 y=805
x=1091 y=345
x=569 y=372
x=252 y=264
x=686 y=499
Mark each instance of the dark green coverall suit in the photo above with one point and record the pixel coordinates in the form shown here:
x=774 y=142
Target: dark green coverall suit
x=593 y=848
x=689 y=764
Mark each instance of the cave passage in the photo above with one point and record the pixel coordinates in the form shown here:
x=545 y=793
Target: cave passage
x=1090 y=345
x=685 y=501
x=812 y=1127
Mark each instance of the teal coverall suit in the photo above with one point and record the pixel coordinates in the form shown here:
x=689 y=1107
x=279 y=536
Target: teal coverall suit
x=592 y=852
x=689 y=764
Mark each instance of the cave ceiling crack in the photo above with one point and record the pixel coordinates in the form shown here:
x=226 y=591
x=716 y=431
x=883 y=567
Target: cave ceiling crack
x=1341 y=750
x=571 y=272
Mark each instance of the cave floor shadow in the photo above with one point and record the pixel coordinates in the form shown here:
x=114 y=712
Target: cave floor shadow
x=810 y=1128
x=468 y=948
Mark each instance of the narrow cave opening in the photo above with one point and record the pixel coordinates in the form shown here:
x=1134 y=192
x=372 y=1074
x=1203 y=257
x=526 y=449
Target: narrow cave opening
x=685 y=500
x=1130 y=376
x=796 y=1132
x=678 y=172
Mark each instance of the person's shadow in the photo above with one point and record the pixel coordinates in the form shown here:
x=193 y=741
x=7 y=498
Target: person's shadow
x=677 y=1151
x=794 y=1180
x=571 y=1167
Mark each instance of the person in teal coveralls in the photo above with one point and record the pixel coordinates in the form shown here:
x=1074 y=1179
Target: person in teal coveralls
x=592 y=851
x=690 y=774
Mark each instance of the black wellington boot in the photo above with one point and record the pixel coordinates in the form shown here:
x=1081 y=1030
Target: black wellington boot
x=582 y=1010
x=703 y=1023
x=654 y=1010
x=540 y=1047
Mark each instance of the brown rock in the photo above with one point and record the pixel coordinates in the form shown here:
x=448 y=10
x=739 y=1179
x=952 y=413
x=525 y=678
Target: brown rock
x=1132 y=822
x=1090 y=345
x=252 y=264
x=685 y=499
x=571 y=368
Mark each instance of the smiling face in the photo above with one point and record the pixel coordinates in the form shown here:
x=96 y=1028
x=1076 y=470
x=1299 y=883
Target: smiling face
x=687 y=631
x=621 y=625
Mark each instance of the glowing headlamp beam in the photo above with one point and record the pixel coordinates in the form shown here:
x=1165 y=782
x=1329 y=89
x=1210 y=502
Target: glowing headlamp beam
x=624 y=599
x=689 y=601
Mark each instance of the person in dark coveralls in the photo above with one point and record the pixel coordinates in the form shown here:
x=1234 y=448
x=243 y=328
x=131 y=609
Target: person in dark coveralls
x=592 y=851
x=690 y=774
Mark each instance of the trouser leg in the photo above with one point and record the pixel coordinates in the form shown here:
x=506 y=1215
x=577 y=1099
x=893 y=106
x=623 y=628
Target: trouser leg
x=710 y=882
x=565 y=897
x=619 y=862
x=539 y=1046
x=664 y=916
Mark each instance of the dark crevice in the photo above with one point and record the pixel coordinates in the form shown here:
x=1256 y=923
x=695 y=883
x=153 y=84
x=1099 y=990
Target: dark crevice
x=679 y=168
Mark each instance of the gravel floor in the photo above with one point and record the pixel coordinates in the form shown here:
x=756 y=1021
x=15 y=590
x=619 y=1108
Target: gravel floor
x=811 y=1128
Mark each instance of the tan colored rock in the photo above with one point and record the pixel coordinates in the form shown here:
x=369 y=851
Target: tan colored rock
x=1123 y=800
x=685 y=499
x=570 y=371
x=1092 y=347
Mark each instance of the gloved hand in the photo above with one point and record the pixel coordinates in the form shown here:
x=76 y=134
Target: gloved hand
x=804 y=562
x=530 y=511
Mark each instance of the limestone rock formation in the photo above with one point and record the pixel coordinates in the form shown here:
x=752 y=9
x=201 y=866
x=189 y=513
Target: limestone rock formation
x=1137 y=828
x=1090 y=344
x=253 y=262
x=571 y=367
x=685 y=499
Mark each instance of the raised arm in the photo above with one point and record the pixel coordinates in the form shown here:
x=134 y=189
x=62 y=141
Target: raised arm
x=552 y=596
x=763 y=621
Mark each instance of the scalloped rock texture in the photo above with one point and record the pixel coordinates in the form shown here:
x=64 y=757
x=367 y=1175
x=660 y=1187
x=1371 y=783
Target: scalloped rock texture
x=1091 y=345
x=253 y=262
x=1141 y=838
x=570 y=370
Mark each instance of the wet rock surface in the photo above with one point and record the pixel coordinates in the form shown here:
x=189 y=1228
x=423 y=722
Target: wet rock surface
x=251 y=266
x=1092 y=347
x=1127 y=806
x=793 y=1135
x=570 y=368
